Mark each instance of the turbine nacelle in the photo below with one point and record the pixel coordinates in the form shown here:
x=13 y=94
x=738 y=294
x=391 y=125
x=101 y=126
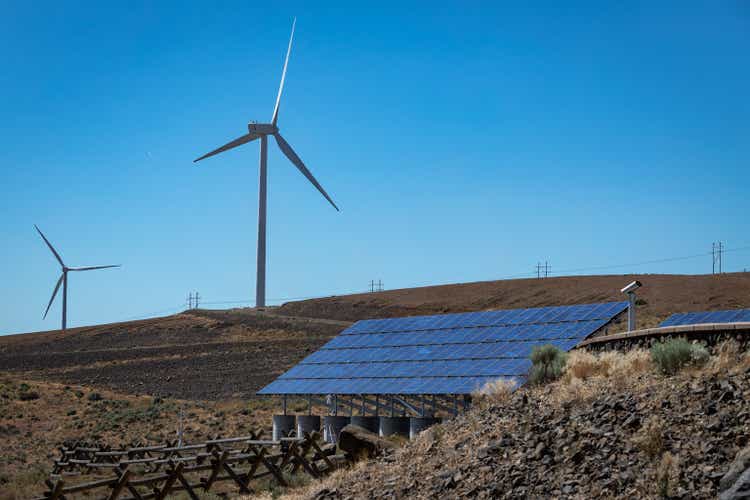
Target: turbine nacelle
x=262 y=128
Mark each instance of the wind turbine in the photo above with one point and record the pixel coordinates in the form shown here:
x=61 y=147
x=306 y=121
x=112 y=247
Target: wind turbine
x=64 y=279
x=262 y=131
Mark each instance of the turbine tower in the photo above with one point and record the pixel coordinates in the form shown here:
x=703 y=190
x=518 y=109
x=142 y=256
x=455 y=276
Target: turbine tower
x=262 y=131
x=64 y=280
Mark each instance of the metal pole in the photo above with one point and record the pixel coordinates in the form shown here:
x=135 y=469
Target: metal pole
x=631 y=311
x=284 y=404
x=65 y=300
x=260 y=284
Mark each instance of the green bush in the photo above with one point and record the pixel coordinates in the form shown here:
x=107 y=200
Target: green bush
x=28 y=395
x=671 y=355
x=548 y=364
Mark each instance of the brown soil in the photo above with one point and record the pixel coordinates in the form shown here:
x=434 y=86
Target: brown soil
x=663 y=294
x=205 y=355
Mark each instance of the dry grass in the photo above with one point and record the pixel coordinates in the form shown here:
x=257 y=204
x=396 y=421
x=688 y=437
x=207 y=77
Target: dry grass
x=667 y=475
x=309 y=490
x=589 y=374
x=495 y=391
x=728 y=356
x=32 y=430
x=583 y=365
x=650 y=437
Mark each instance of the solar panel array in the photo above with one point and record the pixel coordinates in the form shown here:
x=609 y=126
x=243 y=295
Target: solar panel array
x=440 y=354
x=695 y=318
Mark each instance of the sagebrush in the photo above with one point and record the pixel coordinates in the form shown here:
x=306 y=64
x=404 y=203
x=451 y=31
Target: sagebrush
x=548 y=364
x=671 y=355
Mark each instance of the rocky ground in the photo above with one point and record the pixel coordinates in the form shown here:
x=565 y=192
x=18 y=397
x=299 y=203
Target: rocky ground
x=622 y=432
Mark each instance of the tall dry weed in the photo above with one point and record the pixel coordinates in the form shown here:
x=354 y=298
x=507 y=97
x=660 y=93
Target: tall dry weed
x=728 y=356
x=667 y=475
x=583 y=365
x=495 y=391
x=650 y=437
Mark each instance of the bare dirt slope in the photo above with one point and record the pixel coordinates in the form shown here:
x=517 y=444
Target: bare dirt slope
x=663 y=293
x=207 y=355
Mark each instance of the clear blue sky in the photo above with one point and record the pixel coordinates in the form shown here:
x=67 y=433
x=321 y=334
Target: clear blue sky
x=461 y=144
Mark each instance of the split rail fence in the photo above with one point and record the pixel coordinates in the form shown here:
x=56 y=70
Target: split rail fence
x=154 y=472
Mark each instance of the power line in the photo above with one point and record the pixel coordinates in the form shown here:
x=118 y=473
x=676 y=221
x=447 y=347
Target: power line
x=413 y=285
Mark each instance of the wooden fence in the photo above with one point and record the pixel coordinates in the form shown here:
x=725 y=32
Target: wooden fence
x=140 y=473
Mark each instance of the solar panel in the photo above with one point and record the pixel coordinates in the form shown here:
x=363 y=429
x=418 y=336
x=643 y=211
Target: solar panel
x=439 y=354
x=695 y=318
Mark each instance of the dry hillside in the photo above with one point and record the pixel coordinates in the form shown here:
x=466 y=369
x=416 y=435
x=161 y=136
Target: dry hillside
x=218 y=359
x=663 y=294
x=207 y=355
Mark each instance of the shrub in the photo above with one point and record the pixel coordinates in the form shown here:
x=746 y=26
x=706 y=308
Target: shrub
x=671 y=355
x=548 y=364
x=28 y=395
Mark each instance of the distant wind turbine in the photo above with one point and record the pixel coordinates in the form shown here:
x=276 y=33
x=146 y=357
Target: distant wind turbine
x=262 y=131
x=64 y=280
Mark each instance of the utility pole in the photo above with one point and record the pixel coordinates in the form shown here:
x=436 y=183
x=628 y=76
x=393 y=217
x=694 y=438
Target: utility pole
x=380 y=286
x=717 y=249
x=190 y=300
x=542 y=271
x=197 y=298
x=372 y=286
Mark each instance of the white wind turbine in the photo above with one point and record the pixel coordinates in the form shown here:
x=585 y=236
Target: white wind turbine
x=262 y=131
x=64 y=280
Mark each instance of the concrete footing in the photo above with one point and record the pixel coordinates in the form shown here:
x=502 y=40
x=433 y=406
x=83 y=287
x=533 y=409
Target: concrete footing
x=418 y=424
x=390 y=426
x=371 y=424
x=332 y=425
x=307 y=423
x=282 y=426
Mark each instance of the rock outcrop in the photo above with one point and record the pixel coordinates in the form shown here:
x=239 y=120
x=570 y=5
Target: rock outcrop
x=361 y=443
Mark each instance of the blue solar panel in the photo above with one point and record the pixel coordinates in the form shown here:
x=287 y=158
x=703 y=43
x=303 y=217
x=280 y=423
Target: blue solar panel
x=439 y=354
x=695 y=318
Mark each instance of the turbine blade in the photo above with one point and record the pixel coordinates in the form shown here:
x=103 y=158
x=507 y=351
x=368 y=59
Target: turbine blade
x=289 y=152
x=57 y=256
x=230 y=145
x=283 y=76
x=57 y=287
x=90 y=268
